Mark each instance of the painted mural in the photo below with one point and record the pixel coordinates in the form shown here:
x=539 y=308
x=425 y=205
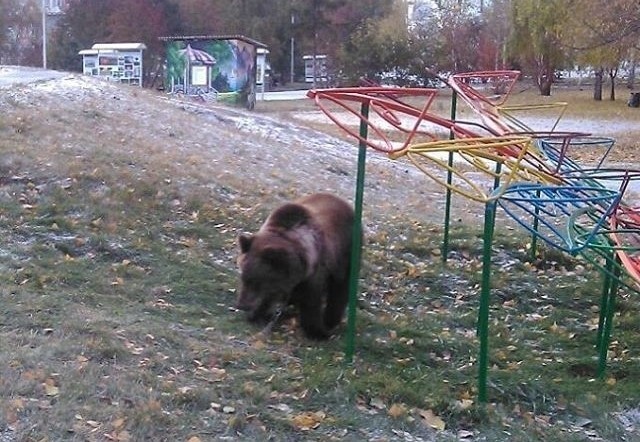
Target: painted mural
x=218 y=69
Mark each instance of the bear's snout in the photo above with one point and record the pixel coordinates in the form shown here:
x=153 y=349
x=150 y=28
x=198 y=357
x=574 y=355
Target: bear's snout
x=243 y=303
x=256 y=308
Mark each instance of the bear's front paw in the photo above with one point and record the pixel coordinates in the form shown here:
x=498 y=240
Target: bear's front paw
x=316 y=332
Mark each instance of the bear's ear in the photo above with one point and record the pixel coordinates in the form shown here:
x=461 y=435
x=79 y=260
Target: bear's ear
x=276 y=258
x=245 y=242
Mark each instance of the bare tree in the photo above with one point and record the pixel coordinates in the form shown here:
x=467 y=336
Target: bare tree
x=21 y=32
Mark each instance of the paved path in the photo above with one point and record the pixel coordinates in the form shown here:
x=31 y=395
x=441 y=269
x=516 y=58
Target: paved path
x=282 y=95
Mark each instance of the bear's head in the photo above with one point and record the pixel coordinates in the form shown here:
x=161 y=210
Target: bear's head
x=270 y=269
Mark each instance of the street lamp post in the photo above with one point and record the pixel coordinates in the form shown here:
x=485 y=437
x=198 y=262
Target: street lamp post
x=44 y=35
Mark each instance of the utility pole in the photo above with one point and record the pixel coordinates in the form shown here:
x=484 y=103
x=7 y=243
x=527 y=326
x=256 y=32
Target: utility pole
x=315 y=40
x=44 y=35
x=292 y=72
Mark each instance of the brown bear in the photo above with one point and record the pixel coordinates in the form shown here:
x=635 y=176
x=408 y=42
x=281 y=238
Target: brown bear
x=300 y=257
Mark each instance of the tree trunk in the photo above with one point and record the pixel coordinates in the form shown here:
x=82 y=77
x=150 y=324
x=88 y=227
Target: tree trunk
x=597 y=85
x=632 y=74
x=545 y=87
x=544 y=77
x=612 y=76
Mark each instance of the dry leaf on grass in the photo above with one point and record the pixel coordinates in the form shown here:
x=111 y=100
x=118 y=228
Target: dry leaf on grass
x=377 y=403
x=281 y=407
x=50 y=388
x=397 y=410
x=464 y=404
x=308 y=420
x=433 y=421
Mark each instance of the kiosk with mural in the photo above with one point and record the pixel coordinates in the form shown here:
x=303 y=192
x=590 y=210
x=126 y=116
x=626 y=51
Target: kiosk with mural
x=221 y=68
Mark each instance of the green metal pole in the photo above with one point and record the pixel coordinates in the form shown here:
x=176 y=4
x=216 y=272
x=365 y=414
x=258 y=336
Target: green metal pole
x=356 y=246
x=496 y=179
x=447 y=205
x=534 y=236
x=605 y=298
x=485 y=293
x=496 y=184
x=608 y=320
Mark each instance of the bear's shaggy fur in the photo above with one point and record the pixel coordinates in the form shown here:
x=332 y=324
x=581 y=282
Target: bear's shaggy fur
x=300 y=256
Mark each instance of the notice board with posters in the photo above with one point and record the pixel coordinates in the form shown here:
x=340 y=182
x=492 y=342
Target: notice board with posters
x=120 y=62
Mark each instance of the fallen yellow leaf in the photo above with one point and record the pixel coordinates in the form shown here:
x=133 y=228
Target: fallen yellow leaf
x=397 y=410
x=50 y=388
x=463 y=404
x=308 y=420
x=432 y=420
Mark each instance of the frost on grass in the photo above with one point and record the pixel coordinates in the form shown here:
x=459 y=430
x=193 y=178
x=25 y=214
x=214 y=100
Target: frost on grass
x=124 y=211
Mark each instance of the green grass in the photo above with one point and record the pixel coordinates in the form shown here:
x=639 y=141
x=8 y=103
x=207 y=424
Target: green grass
x=118 y=281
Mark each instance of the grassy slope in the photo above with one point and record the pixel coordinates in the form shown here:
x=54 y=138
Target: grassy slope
x=117 y=266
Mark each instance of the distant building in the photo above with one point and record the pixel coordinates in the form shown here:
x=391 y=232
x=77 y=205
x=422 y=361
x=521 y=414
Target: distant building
x=54 y=10
x=263 y=67
x=55 y=7
x=317 y=73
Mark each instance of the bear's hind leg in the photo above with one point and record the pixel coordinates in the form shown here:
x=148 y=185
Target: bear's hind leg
x=312 y=325
x=337 y=300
